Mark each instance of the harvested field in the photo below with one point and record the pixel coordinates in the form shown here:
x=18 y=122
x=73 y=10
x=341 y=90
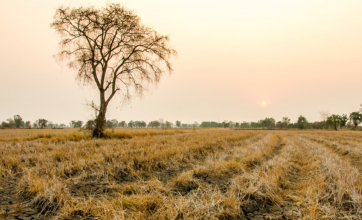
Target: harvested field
x=180 y=174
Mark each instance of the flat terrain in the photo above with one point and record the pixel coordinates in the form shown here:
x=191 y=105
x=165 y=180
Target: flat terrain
x=180 y=174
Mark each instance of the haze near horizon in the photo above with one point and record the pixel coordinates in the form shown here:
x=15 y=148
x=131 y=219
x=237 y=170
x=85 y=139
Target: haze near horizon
x=298 y=57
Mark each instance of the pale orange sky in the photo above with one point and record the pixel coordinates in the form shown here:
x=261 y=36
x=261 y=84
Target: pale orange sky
x=300 y=57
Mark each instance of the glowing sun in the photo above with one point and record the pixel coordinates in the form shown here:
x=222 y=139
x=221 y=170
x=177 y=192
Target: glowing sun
x=263 y=103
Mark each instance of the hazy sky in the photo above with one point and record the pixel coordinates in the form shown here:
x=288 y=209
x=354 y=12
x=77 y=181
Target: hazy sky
x=299 y=56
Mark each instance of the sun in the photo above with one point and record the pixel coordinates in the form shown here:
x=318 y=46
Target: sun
x=263 y=103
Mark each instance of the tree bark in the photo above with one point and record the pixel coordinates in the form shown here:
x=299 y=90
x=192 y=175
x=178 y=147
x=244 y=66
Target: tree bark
x=98 y=131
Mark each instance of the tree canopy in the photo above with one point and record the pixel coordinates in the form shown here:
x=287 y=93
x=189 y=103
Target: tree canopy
x=334 y=120
x=356 y=118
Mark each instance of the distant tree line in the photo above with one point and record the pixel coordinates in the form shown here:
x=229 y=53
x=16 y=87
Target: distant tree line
x=142 y=124
x=18 y=122
x=328 y=121
x=332 y=122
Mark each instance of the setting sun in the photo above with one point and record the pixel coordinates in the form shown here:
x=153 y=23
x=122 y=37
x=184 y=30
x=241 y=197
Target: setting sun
x=264 y=103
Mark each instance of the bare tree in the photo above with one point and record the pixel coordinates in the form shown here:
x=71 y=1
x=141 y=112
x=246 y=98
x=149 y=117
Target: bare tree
x=162 y=124
x=112 y=50
x=324 y=115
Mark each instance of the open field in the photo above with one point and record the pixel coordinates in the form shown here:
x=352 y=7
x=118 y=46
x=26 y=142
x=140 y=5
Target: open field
x=180 y=174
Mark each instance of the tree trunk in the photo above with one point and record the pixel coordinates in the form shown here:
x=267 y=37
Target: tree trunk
x=100 y=120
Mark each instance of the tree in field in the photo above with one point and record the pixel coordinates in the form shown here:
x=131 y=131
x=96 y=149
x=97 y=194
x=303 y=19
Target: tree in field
x=226 y=124
x=344 y=119
x=283 y=123
x=76 y=124
x=168 y=124
x=143 y=124
x=122 y=124
x=28 y=124
x=111 y=123
x=90 y=124
x=302 y=121
x=154 y=124
x=138 y=124
x=211 y=124
x=42 y=123
x=268 y=122
x=50 y=124
x=108 y=124
x=334 y=120
x=178 y=124
x=18 y=121
x=11 y=122
x=114 y=122
x=111 y=50
x=356 y=118
x=131 y=124
x=35 y=124
x=255 y=124
x=245 y=124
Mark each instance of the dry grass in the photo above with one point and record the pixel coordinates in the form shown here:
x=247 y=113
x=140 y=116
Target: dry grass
x=180 y=174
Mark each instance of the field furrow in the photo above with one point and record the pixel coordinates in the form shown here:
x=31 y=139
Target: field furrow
x=348 y=150
x=340 y=189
